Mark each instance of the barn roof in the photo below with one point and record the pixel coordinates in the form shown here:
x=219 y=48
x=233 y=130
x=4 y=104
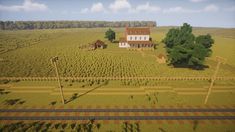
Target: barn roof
x=98 y=42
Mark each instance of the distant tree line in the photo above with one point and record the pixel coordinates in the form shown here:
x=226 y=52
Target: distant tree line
x=19 y=25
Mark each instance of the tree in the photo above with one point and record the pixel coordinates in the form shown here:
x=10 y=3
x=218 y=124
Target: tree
x=186 y=50
x=197 y=55
x=205 y=40
x=170 y=37
x=178 y=55
x=179 y=36
x=110 y=35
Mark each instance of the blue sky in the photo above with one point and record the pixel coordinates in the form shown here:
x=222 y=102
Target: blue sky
x=205 y=13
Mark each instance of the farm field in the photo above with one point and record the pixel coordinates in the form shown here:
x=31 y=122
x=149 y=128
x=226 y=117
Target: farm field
x=34 y=60
x=27 y=53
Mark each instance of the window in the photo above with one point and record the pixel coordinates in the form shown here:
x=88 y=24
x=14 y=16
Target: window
x=135 y=38
x=130 y=38
x=140 y=38
x=144 y=38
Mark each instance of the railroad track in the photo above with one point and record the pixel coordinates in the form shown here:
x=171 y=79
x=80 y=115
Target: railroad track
x=117 y=117
x=120 y=110
x=225 y=114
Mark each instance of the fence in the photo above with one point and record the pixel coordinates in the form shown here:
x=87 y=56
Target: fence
x=113 y=78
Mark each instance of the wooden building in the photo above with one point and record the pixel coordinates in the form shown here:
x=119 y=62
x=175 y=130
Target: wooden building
x=98 y=44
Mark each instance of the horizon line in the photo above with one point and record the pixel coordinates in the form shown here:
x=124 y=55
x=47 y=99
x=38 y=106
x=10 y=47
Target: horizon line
x=196 y=26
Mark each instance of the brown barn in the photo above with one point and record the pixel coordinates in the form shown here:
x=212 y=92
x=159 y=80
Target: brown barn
x=98 y=44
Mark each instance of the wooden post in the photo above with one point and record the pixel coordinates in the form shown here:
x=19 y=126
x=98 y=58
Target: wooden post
x=219 y=61
x=53 y=61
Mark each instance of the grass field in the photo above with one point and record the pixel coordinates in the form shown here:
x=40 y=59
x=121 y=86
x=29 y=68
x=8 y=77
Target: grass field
x=38 y=93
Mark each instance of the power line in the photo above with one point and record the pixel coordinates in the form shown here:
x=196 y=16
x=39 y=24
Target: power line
x=53 y=61
x=219 y=60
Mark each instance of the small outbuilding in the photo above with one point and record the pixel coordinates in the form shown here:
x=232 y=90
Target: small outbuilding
x=98 y=44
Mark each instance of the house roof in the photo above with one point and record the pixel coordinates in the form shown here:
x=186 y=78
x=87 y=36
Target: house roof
x=139 y=42
x=138 y=31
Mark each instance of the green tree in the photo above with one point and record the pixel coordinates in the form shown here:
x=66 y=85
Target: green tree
x=205 y=40
x=186 y=50
x=178 y=55
x=179 y=36
x=170 y=40
x=110 y=35
x=197 y=55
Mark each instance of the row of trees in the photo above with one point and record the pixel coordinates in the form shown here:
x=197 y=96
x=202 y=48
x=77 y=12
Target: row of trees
x=184 y=49
x=12 y=25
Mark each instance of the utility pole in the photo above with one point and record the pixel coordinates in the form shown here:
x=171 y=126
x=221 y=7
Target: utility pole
x=53 y=61
x=219 y=60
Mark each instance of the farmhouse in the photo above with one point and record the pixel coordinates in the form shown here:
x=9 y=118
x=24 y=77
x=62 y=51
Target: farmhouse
x=136 y=38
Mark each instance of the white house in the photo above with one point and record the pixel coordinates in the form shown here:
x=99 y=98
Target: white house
x=136 y=38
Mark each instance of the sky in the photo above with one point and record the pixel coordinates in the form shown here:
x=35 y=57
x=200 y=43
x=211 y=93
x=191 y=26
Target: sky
x=200 y=13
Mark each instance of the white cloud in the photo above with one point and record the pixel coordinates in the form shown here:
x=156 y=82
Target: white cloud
x=180 y=9
x=119 y=5
x=28 y=5
x=124 y=5
x=148 y=8
x=196 y=1
x=211 y=8
x=97 y=7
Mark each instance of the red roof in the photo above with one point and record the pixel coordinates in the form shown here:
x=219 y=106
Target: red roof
x=137 y=31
